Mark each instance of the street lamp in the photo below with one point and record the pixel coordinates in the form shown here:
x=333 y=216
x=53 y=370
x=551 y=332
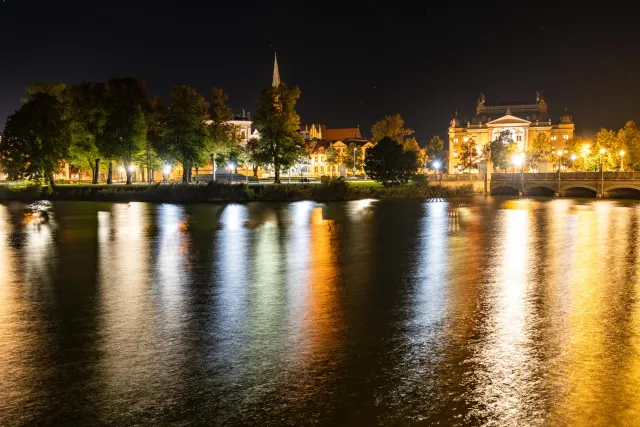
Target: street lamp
x=621 y=160
x=436 y=166
x=121 y=170
x=230 y=166
x=573 y=160
x=166 y=170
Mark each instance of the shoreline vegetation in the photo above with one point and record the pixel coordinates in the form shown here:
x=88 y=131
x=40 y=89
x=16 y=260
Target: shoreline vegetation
x=337 y=190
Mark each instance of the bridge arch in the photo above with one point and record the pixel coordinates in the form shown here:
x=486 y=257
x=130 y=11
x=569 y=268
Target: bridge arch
x=504 y=190
x=580 y=190
x=622 y=191
x=540 y=189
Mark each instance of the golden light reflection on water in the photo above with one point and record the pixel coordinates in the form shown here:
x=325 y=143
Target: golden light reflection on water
x=521 y=312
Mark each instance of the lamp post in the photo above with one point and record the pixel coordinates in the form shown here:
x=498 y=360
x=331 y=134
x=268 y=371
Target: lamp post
x=166 y=170
x=354 y=162
x=573 y=160
x=559 y=153
x=230 y=165
x=602 y=151
x=621 y=160
x=121 y=169
x=436 y=167
x=132 y=169
x=518 y=160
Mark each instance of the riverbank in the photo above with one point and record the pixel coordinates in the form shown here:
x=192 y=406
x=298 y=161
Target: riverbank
x=220 y=192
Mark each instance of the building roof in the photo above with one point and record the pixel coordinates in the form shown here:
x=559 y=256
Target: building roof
x=529 y=112
x=339 y=134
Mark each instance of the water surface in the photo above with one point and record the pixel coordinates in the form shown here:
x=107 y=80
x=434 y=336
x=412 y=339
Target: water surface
x=474 y=312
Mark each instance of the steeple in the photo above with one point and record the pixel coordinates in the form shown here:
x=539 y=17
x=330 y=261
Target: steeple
x=276 y=72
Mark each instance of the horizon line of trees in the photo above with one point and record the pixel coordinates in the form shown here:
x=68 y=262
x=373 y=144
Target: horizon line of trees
x=96 y=124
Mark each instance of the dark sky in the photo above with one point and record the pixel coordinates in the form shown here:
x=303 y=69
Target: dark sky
x=352 y=70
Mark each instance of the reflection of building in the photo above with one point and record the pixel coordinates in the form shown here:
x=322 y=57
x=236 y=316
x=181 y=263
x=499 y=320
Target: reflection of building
x=524 y=121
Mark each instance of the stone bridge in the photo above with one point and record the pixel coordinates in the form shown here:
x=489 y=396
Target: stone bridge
x=566 y=184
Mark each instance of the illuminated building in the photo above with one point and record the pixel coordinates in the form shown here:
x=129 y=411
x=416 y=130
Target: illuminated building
x=524 y=120
x=318 y=165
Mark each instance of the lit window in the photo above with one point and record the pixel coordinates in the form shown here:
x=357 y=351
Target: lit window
x=455 y=140
x=553 y=138
x=565 y=137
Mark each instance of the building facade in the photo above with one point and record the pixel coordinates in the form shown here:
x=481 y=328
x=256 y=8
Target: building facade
x=525 y=121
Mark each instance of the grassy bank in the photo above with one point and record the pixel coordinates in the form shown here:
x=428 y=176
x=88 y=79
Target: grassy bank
x=180 y=193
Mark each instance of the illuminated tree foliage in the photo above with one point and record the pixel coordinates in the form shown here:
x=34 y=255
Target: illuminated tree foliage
x=277 y=122
x=392 y=127
x=502 y=150
x=187 y=135
x=36 y=139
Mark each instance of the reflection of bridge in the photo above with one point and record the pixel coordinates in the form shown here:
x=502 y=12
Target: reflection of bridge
x=568 y=184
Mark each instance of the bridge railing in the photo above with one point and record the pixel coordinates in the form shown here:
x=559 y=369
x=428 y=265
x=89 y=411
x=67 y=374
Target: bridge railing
x=456 y=177
x=551 y=176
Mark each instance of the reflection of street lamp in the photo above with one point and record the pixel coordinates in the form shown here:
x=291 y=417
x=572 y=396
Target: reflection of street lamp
x=621 y=160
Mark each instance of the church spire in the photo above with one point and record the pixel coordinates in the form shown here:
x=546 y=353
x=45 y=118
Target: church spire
x=276 y=72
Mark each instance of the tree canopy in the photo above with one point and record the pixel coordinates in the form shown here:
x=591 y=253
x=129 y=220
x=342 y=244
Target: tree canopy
x=277 y=122
x=389 y=163
x=36 y=139
x=392 y=126
x=187 y=134
x=502 y=150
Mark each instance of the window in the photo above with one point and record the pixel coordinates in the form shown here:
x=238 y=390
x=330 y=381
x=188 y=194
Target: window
x=553 y=138
x=316 y=169
x=565 y=137
x=518 y=138
x=455 y=140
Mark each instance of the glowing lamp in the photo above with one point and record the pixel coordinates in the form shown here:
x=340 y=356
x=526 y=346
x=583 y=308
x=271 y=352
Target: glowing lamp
x=621 y=153
x=436 y=165
x=132 y=168
x=517 y=160
x=559 y=153
x=602 y=151
x=166 y=169
x=573 y=157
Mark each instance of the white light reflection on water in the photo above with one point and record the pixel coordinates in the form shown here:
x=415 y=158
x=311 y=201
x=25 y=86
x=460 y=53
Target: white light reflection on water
x=507 y=375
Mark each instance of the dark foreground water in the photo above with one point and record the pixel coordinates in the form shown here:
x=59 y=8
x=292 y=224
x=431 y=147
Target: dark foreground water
x=476 y=312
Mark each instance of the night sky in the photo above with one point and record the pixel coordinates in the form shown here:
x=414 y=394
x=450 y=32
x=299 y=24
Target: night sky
x=352 y=70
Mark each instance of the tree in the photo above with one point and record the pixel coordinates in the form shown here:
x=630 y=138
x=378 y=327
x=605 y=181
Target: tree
x=607 y=139
x=187 y=134
x=277 y=122
x=540 y=150
x=469 y=156
x=87 y=113
x=388 y=163
x=221 y=132
x=252 y=155
x=629 y=137
x=334 y=157
x=435 y=148
x=392 y=126
x=502 y=149
x=36 y=139
x=125 y=130
x=155 y=148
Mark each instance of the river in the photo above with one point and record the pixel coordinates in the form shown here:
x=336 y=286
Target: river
x=479 y=311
